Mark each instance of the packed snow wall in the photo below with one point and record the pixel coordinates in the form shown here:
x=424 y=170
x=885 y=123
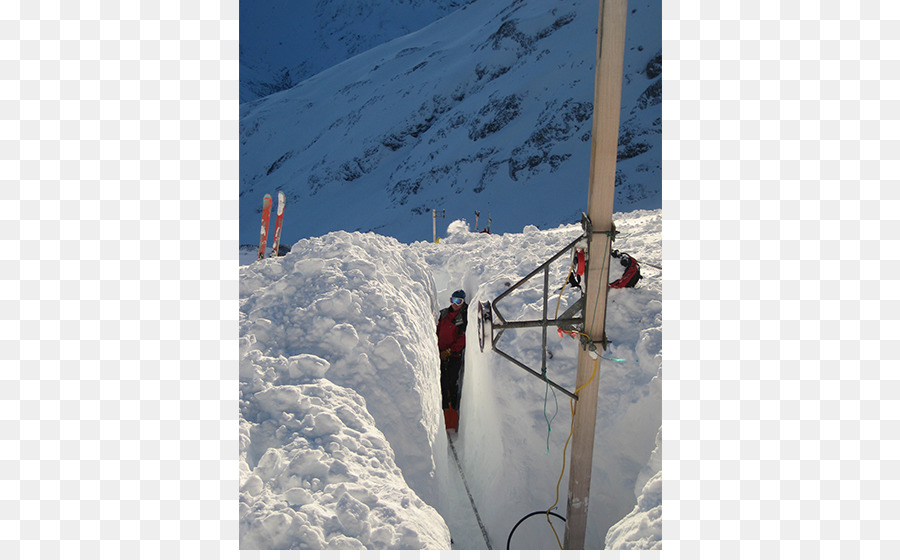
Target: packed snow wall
x=336 y=415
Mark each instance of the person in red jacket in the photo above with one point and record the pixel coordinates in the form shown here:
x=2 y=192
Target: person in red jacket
x=451 y=334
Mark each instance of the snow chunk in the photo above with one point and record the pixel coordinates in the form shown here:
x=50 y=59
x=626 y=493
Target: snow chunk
x=352 y=514
x=253 y=485
x=263 y=330
x=307 y=366
x=388 y=350
x=337 y=304
x=298 y=497
x=325 y=423
x=341 y=542
x=457 y=226
x=285 y=399
x=309 y=267
x=343 y=336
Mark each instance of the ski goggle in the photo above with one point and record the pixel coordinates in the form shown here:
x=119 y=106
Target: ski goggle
x=457 y=300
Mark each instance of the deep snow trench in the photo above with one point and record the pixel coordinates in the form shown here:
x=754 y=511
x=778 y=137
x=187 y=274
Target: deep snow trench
x=342 y=437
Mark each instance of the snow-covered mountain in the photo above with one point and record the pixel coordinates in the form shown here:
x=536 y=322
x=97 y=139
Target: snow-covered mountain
x=283 y=43
x=485 y=109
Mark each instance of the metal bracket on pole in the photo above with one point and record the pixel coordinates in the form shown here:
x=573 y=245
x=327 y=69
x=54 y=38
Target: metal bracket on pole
x=568 y=319
x=589 y=229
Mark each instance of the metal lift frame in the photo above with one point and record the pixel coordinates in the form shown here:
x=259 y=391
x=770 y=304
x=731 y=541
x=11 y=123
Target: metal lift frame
x=567 y=319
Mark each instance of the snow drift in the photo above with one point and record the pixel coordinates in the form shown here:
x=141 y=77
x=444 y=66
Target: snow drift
x=344 y=310
x=342 y=438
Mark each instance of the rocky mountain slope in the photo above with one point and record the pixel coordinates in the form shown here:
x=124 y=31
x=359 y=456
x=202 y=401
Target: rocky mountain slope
x=486 y=109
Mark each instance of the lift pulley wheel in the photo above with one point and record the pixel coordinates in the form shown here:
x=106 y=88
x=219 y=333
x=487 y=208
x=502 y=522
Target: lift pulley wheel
x=485 y=323
x=579 y=258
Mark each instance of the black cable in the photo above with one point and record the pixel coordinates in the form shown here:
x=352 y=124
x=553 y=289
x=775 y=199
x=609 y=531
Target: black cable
x=648 y=264
x=541 y=512
x=462 y=475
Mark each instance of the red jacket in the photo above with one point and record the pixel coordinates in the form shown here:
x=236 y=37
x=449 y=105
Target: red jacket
x=451 y=329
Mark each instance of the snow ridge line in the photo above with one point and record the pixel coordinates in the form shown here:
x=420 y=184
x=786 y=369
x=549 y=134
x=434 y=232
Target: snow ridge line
x=462 y=475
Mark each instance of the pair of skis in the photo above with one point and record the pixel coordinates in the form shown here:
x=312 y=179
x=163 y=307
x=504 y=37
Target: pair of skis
x=264 y=229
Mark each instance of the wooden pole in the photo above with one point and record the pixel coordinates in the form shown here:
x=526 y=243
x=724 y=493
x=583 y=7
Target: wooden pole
x=604 y=147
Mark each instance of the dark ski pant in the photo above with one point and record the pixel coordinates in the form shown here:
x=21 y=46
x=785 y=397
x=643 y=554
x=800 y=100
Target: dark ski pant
x=450 y=382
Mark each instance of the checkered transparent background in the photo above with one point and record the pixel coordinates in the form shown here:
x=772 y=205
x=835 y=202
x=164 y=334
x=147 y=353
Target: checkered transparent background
x=118 y=281
x=781 y=275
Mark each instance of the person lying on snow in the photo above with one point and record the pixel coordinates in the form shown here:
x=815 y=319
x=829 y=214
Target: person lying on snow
x=451 y=334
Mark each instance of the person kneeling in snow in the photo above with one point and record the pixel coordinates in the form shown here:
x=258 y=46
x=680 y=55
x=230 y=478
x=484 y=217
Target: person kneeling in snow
x=451 y=333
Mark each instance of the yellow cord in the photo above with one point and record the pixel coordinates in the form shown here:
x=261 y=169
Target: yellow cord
x=561 y=472
x=571 y=427
x=585 y=384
